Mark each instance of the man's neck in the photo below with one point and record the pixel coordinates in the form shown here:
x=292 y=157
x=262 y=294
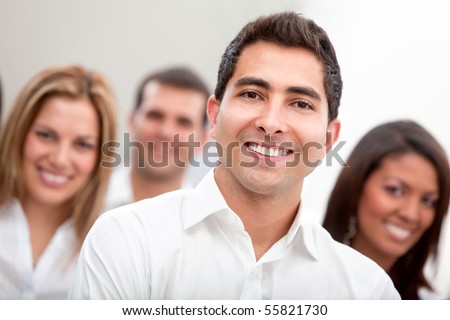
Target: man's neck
x=266 y=218
x=145 y=187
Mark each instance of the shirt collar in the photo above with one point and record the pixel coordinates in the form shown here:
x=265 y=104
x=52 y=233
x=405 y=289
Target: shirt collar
x=204 y=200
x=307 y=234
x=294 y=227
x=300 y=229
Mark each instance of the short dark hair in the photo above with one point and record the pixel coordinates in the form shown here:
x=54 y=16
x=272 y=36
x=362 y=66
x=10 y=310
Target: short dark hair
x=178 y=77
x=388 y=140
x=287 y=29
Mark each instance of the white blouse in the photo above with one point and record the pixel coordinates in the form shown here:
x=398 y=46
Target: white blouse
x=52 y=275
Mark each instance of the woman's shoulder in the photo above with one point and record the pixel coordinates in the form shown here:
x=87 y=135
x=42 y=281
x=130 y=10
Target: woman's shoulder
x=428 y=294
x=10 y=206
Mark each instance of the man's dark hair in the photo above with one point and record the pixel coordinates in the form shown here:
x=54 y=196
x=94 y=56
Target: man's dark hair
x=287 y=29
x=179 y=77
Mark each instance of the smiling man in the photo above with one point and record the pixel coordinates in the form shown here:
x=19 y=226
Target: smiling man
x=167 y=125
x=238 y=234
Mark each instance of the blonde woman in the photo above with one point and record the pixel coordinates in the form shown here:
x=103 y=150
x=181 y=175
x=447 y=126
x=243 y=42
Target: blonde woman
x=51 y=182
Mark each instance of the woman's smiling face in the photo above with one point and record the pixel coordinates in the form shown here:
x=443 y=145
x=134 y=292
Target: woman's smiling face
x=60 y=150
x=397 y=206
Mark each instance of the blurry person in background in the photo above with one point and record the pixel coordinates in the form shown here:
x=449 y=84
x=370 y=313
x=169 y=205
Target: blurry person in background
x=390 y=202
x=51 y=183
x=167 y=125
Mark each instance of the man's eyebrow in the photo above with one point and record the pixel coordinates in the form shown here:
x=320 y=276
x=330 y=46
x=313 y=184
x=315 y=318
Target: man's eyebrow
x=252 y=81
x=184 y=119
x=307 y=91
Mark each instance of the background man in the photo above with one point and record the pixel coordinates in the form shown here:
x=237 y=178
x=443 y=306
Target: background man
x=166 y=126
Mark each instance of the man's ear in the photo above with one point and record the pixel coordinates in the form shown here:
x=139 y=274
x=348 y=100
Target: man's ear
x=212 y=110
x=333 y=131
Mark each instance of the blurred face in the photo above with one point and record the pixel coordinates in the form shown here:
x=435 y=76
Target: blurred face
x=166 y=124
x=397 y=206
x=60 y=150
x=272 y=122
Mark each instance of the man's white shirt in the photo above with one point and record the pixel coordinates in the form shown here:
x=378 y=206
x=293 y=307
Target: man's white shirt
x=188 y=244
x=120 y=189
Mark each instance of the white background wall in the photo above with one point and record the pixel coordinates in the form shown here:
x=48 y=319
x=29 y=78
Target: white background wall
x=394 y=57
x=395 y=61
x=125 y=39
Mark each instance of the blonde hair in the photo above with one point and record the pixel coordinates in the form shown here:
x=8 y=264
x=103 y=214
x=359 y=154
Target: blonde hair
x=71 y=81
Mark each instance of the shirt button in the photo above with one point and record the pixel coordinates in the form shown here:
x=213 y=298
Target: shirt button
x=252 y=276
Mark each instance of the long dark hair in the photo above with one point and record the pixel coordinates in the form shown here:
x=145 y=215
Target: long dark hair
x=393 y=138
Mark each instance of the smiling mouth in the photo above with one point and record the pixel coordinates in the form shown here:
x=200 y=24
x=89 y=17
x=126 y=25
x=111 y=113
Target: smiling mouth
x=398 y=232
x=53 y=179
x=267 y=151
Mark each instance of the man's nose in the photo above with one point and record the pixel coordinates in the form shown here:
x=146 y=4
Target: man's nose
x=271 y=119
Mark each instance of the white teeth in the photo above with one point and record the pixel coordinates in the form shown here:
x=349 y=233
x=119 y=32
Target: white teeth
x=271 y=152
x=54 y=178
x=397 y=231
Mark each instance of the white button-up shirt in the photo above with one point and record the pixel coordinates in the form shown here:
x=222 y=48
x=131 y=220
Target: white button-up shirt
x=188 y=244
x=120 y=189
x=51 y=277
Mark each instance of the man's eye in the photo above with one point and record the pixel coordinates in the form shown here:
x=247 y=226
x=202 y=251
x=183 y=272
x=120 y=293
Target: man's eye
x=251 y=95
x=303 y=104
x=185 y=123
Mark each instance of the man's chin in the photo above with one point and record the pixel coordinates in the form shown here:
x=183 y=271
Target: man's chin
x=163 y=173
